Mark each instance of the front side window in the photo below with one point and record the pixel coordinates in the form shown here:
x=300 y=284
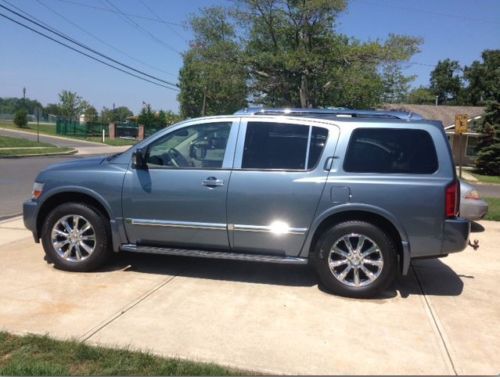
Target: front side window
x=199 y=146
x=375 y=150
x=277 y=146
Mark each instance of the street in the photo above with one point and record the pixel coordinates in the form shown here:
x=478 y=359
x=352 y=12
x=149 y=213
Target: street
x=16 y=181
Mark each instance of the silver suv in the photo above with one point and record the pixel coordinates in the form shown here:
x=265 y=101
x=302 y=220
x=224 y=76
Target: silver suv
x=357 y=194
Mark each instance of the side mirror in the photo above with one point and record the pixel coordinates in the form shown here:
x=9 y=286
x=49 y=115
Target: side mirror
x=139 y=159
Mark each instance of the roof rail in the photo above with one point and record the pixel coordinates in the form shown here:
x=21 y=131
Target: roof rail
x=331 y=113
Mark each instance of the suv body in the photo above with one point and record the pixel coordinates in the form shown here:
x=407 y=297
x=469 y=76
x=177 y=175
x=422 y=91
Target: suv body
x=283 y=186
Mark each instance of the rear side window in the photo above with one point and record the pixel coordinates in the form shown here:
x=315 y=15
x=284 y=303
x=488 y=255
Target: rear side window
x=390 y=151
x=278 y=146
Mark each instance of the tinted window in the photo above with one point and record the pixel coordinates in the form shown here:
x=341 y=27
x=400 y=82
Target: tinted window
x=199 y=146
x=275 y=146
x=390 y=151
x=317 y=144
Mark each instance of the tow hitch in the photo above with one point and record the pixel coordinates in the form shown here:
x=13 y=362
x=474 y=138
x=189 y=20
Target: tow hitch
x=474 y=244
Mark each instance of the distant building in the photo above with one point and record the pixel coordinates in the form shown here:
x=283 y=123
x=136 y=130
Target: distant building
x=446 y=114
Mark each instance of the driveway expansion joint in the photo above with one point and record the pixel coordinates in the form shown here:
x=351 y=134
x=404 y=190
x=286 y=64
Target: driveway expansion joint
x=435 y=322
x=89 y=334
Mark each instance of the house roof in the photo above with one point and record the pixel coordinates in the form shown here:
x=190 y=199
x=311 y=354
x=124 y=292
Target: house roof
x=445 y=114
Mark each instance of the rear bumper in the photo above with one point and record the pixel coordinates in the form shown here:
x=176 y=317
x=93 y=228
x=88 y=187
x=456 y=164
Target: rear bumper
x=473 y=209
x=30 y=210
x=455 y=235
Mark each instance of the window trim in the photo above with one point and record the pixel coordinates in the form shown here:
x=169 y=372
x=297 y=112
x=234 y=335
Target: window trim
x=240 y=149
x=350 y=142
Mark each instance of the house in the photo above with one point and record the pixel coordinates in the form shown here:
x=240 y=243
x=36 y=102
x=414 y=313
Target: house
x=446 y=114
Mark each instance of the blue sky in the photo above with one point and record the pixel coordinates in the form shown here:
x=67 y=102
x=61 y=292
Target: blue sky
x=456 y=29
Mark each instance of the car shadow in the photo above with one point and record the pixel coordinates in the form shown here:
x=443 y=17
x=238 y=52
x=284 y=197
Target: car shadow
x=475 y=227
x=431 y=276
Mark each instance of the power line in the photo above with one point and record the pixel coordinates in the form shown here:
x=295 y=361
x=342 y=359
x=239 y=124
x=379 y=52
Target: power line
x=139 y=27
x=83 y=53
x=114 y=11
x=161 y=19
x=99 y=39
x=61 y=35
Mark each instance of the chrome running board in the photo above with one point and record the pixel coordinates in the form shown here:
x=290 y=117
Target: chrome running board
x=213 y=254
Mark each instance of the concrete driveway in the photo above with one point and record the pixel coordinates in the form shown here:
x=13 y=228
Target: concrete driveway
x=441 y=319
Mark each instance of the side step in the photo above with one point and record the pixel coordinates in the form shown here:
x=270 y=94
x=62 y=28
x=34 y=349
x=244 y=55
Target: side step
x=213 y=254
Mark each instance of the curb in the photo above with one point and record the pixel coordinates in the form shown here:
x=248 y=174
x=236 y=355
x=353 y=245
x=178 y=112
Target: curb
x=67 y=153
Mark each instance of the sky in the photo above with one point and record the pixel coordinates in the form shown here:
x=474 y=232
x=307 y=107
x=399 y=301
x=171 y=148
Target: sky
x=153 y=42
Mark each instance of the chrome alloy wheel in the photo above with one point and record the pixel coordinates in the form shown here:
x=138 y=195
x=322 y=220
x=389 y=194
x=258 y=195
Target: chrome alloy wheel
x=73 y=238
x=355 y=260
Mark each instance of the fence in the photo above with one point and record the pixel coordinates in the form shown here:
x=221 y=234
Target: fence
x=72 y=128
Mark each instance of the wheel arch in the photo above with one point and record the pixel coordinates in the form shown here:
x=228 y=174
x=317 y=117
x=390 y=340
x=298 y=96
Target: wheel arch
x=70 y=194
x=373 y=215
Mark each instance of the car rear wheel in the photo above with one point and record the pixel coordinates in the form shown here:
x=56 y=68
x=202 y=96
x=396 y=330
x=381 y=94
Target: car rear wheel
x=75 y=237
x=355 y=259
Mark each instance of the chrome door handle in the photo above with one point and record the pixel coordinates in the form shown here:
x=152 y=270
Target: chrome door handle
x=212 y=182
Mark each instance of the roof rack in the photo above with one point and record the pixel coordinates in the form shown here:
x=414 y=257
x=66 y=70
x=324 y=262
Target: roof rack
x=332 y=113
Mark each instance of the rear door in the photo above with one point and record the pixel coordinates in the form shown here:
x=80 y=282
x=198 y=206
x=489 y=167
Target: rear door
x=276 y=183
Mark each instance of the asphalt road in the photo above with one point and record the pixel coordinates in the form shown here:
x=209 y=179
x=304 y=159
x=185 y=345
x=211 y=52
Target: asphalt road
x=488 y=191
x=16 y=180
x=49 y=139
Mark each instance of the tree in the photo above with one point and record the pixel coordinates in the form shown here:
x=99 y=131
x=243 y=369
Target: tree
x=21 y=118
x=52 y=109
x=421 y=96
x=70 y=104
x=171 y=118
x=396 y=85
x=212 y=79
x=91 y=114
x=488 y=158
x=483 y=78
x=446 y=82
x=296 y=58
x=119 y=114
x=11 y=105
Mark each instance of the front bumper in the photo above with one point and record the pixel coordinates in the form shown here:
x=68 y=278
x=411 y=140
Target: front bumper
x=455 y=235
x=30 y=211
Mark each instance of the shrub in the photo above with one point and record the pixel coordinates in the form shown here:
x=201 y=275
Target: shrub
x=21 y=118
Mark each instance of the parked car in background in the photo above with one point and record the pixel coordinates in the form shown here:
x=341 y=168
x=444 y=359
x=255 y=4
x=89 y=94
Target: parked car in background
x=472 y=207
x=357 y=194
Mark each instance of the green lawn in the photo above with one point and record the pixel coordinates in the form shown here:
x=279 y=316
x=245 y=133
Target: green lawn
x=487 y=178
x=7 y=142
x=493 y=209
x=39 y=355
x=47 y=129
x=14 y=147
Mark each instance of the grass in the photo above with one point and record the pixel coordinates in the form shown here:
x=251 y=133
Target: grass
x=46 y=129
x=493 y=209
x=39 y=355
x=487 y=178
x=7 y=142
x=19 y=147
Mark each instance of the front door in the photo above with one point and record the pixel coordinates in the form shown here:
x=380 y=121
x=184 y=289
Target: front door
x=180 y=199
x=276 y=183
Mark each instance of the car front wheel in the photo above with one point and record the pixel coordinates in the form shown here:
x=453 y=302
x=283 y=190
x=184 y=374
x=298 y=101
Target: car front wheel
x=75 y=237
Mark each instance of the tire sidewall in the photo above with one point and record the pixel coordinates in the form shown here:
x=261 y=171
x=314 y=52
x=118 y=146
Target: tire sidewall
x=385 y=244
x=101 y=229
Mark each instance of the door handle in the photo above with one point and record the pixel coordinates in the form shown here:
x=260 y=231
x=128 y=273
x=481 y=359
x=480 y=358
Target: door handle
x=212 y=182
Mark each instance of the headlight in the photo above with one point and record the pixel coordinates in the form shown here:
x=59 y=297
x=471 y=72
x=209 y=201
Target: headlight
x=37 y=190
x=472 y=194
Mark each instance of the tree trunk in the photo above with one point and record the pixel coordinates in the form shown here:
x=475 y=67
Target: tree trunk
x=304 y=94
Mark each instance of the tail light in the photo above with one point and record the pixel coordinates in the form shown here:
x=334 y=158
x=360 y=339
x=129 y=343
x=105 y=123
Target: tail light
x=452 y=199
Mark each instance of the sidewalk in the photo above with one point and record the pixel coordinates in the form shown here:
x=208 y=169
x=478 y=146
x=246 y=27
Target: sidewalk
x=269 y=318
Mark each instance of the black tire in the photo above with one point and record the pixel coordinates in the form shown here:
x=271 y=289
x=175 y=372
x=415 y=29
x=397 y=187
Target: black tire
x=101 y=231
x=386 y=252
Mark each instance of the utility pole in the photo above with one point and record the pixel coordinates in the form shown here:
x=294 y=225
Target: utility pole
x=437 y=100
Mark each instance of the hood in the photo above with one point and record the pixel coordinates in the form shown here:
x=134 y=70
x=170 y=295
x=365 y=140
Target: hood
x=77 y=163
